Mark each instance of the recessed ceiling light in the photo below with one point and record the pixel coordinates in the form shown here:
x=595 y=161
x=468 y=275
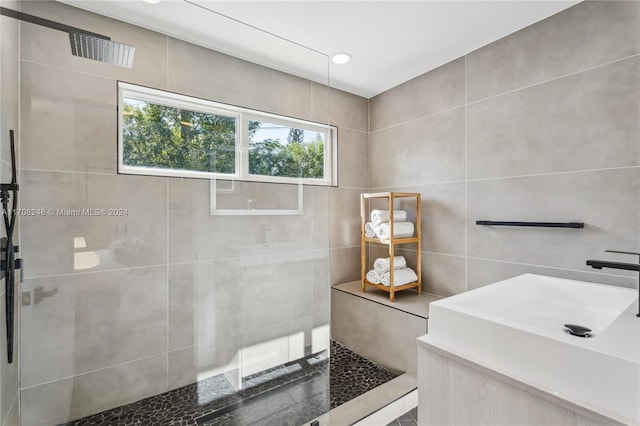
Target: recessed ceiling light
x=152 y=1
x=340 y=58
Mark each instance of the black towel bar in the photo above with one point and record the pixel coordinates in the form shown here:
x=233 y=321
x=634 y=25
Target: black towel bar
x=533 y=224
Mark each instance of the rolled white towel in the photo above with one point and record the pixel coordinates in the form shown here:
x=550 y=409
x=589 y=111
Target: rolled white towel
x=400 y=230
x=400 y=277
x=382 y=264
x=380 y=216
x=369 y=230
x=373 y=277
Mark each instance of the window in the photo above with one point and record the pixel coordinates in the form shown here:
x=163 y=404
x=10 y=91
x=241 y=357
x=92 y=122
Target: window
x=167 y=134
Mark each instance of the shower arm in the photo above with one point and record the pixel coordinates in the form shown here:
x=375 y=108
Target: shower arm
x=47 y=23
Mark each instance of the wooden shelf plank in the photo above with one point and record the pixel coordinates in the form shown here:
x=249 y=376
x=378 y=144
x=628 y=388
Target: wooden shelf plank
x=395 y=240
x=388 y=289
x=390 y=194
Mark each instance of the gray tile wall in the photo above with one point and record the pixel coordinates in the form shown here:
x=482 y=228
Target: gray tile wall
x=9 y=78
x=541 y=125
x=178 y=294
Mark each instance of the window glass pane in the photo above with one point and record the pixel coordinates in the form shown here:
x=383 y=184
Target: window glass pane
x=165 y=137
x=281 y=150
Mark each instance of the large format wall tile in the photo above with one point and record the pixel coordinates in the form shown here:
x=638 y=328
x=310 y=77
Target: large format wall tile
x=63 y=400
x=443 y=275
x=344 y=220
x=129 y=231
x=40 y=44
x=181 y=310
x=217 y=303
x=322 y=208
x=581 y=122
x=265 y=303
x=443 y=215
x=187 y=365
x=342 y=109
x=353 y=159
x=265 y=348
x=606 y=201
x=9 y=81
x=237 y=82
x=435 y=91
x=428 y=150
x=86 y=322
x=13 y=415
x=586 y=35
x=68 y=120
x=345 y=264
x=481 y=272
x=196 y=235
x=321 y=287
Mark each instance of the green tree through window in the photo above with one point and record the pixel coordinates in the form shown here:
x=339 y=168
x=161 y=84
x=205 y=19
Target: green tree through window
x=165 y=137
x=296 y=157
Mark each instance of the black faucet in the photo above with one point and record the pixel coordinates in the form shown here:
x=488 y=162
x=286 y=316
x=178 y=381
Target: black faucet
x=599 y=264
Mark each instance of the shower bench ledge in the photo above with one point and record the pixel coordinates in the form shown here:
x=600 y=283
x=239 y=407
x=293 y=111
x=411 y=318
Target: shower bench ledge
x=382 y=331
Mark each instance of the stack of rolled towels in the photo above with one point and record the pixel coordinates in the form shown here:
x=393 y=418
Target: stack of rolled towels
x=380 y=274
x=380 y=227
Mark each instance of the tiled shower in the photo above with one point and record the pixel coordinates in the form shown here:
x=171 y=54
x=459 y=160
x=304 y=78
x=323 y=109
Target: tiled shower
x=176 y=295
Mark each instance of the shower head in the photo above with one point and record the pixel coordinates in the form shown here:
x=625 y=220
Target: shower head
x=84 y=44
x=101 y=49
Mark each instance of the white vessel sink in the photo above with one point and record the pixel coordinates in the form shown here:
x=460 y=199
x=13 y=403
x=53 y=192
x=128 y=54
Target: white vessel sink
x=516 y=328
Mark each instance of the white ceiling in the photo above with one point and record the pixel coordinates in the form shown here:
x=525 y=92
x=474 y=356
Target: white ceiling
x=390 y=41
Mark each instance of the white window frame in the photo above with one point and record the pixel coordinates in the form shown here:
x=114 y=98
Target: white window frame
x=242 y=117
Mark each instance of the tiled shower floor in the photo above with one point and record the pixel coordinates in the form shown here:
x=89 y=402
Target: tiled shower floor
x=291 y=394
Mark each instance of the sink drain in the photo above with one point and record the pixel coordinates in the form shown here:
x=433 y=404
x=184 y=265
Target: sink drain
x=577 y=330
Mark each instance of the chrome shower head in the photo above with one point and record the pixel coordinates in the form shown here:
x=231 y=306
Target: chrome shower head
x=100 y=49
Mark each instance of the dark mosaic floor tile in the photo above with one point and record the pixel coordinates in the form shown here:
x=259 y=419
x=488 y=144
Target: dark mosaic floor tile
x=352 y=375
x=289 y=394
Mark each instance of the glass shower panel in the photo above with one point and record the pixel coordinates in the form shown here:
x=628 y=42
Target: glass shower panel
x=204 y=297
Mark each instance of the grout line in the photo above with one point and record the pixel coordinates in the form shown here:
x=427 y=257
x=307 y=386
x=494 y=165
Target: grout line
x=362 y=296
x=167 y=274
x=309 y=251
x=190 y=262
x=551 y=267
x=381 y=188
x=554 y=79
x=132 y=268
x=466 y=183
x=168 y=61
x=58 y=67
x=351 y=129
x=92 y=371
x=359 y=188
x=554 y=173
x=13 y=402
x=378 y=188
x=369 y=147
x=422 y=117
x=461 y=256
x=81 y=172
